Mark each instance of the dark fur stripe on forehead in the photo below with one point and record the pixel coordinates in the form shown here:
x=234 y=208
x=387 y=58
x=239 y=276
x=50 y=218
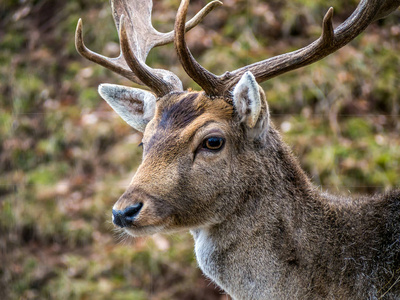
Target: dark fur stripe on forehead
x=181 y=113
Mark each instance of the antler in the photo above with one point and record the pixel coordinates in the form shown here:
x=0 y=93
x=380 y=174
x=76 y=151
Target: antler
x=137 y=38
x=329 y=41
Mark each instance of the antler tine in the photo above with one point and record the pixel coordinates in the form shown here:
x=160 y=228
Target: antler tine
x=143 y=37
x=283 y=63
x=169 y=37
x=117 y=65
x=207 y=80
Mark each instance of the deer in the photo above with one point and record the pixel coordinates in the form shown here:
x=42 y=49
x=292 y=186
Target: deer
x=214 y=164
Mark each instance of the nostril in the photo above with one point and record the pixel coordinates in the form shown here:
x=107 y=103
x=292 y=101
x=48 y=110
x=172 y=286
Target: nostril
x=118 y=218
x=132 y=211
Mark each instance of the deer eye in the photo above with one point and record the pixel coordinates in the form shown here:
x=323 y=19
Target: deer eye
x=213 y=143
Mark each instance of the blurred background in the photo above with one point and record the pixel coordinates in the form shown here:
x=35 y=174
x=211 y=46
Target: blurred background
x=66 y=157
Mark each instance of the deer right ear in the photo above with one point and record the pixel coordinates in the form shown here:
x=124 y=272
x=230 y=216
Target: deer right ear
x=134 y=106
x=250 y=104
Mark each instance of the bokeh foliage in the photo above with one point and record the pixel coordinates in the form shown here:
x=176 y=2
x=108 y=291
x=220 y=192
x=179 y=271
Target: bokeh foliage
x=65 y=156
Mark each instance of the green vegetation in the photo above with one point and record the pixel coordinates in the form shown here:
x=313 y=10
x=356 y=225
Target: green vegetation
x=65 y=156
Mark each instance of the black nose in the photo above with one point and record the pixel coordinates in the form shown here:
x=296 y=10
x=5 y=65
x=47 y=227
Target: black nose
x=123 y=218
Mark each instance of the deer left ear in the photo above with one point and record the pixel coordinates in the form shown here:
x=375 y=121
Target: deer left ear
x=251 y=105
x=135 y=106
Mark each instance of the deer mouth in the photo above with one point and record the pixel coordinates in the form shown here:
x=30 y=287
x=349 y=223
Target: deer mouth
x=137 y=231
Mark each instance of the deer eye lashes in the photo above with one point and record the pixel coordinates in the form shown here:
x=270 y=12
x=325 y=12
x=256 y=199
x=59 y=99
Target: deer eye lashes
x=213 y=143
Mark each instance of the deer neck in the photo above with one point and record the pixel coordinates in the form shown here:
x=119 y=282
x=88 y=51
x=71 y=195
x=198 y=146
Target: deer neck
x=284 y=235
x=264 y=226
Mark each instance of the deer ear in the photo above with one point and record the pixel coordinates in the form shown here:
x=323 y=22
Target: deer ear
x=250 y=104
x=134 y=106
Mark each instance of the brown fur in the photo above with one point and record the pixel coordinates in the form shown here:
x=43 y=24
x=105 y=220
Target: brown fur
x=262 y=230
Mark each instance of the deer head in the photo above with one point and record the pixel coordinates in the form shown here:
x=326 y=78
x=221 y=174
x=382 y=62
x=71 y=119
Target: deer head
x=199 y=148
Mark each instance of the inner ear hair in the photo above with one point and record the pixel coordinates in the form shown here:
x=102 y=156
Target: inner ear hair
x=134 y=106
x=247 y=99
